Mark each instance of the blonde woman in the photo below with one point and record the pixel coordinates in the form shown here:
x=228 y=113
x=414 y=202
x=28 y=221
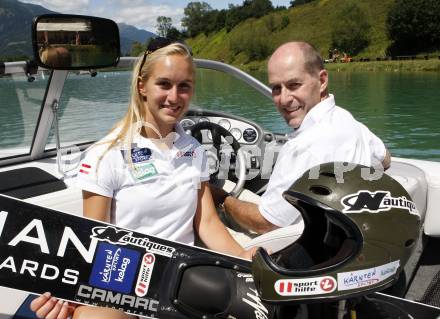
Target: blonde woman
x=147 y=174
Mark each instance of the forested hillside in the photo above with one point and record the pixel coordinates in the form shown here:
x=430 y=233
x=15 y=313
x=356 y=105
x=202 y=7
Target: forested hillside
x=342 y=30
x=319 y=22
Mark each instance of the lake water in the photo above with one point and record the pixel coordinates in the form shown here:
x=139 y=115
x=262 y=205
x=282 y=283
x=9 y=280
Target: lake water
x=403 y=109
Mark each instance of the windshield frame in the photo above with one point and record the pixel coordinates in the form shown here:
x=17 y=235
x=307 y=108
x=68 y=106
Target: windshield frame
x=54 y=89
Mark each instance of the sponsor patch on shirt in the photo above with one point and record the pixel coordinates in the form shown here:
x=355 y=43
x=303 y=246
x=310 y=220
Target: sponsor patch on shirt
x=114 y=268
x=144 y=171
x=191 y=154
x=85 y=168
x=138 y=155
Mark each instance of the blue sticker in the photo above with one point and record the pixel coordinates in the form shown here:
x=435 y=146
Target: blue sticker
x=114 y=268
x=139 y=154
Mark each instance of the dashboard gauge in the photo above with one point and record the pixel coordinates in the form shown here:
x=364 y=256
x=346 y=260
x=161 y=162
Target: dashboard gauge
x=204 y=119
x=250 y=135
x=187 y=123
x=225 y=123
x=236 y=133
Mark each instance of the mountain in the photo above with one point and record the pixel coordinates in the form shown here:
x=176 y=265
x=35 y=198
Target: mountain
x=16 y=23
x=128 y=34
x=15 y=27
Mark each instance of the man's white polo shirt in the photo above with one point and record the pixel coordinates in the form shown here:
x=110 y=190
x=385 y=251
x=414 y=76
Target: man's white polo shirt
x=328 y=133
x=156 y=193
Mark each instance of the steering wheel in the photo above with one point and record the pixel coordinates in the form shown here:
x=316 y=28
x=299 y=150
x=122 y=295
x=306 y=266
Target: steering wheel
x=217 y=133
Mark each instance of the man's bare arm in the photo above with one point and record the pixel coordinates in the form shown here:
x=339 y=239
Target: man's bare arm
x=247 y=215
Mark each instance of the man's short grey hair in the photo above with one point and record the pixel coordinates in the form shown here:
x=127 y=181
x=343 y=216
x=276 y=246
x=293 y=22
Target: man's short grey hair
x=313 y=62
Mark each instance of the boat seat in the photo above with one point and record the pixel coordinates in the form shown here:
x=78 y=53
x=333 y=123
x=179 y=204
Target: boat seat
x=68 y=200
x=26 y=182
x=413 y=179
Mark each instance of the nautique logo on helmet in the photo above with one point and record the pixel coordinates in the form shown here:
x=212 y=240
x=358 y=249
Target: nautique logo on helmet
x=374 y=202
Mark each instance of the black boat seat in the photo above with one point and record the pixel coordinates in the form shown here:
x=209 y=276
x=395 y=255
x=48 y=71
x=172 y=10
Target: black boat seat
x=29 y=182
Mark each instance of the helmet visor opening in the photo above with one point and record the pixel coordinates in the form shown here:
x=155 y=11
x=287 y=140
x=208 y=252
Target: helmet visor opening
x=329 y=239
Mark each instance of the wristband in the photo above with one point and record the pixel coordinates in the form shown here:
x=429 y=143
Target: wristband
x=222 y=204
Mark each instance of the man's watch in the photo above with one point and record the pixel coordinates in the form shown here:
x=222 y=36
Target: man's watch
x=222 y=203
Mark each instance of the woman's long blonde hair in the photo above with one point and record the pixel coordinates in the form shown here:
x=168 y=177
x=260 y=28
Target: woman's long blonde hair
x=133 y=121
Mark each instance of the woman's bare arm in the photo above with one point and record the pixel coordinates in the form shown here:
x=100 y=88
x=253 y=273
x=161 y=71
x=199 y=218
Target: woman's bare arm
x=211 y=230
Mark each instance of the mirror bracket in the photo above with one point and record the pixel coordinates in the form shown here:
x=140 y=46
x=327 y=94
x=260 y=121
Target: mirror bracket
x=31 y=69
x=55 y=107
x=67 y=168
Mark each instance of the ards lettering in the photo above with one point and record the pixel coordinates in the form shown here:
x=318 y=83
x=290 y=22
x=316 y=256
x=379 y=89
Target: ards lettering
x=44 y=256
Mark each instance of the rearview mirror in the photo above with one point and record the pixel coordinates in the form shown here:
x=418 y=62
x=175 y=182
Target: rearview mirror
x=73 y=42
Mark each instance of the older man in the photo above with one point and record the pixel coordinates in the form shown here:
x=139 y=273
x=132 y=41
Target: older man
x=322 y=132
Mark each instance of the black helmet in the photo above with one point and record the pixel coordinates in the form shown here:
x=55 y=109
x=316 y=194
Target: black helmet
x=358 y=234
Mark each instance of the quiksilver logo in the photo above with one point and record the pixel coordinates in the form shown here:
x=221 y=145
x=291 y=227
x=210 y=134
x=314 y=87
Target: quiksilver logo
x=374 y=202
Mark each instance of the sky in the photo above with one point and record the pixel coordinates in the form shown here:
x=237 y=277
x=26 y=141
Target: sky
x=139 y=13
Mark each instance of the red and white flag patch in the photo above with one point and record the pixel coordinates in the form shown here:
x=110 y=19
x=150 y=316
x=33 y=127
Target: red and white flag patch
x=85 y=168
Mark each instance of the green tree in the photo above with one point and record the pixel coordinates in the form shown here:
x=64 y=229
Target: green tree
x=163 y=26
x=414 y=26
x=174 y=34
x=195 y=17
x=298 y=2
x=351 y=28
x=137 y=48
x=249 y=9
x=233 y=17
x=256 y=8
x=246 y=41
x=284 y=22
x=270 y=23
x=215 y=21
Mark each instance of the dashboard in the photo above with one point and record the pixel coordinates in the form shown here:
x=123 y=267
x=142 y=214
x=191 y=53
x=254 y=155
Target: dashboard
x=245 y=132
x=259 y=147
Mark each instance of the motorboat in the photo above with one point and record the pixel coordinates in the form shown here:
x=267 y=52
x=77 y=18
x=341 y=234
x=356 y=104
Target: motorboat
x=50 y=115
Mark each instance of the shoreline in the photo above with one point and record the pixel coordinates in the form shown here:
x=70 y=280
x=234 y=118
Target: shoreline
x=431 y=65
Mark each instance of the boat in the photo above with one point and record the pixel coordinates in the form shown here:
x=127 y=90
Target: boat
x=50 y=126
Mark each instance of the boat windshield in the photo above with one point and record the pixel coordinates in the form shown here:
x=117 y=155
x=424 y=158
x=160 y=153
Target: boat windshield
x=20 y=104
x=90 y=106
